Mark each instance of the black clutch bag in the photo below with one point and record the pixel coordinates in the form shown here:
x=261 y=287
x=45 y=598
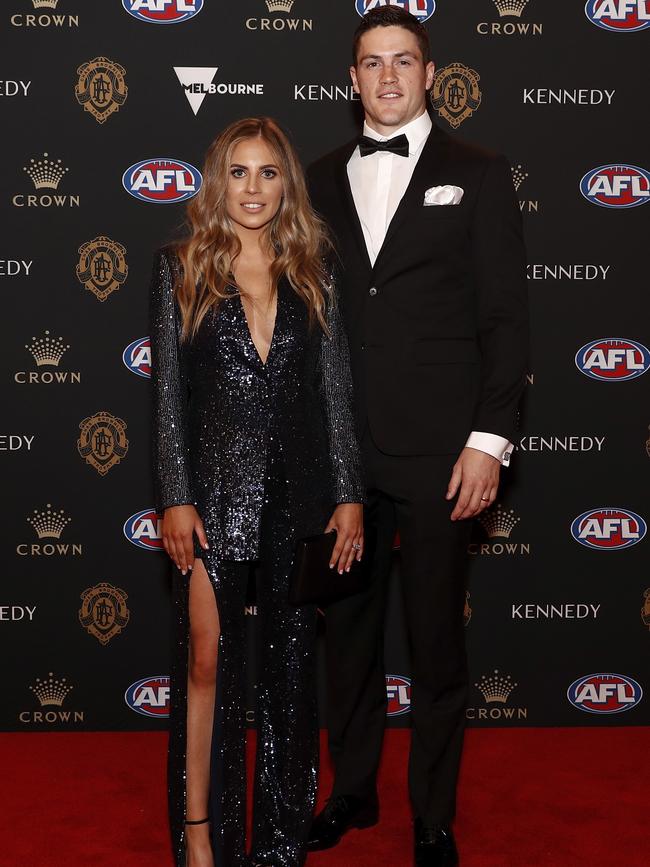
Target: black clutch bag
x=312 y=582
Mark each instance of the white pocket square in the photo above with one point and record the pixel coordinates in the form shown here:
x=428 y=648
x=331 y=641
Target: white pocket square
x=445 y=195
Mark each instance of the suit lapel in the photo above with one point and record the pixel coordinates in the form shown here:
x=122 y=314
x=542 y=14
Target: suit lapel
x=432 y=156
x=348 y=207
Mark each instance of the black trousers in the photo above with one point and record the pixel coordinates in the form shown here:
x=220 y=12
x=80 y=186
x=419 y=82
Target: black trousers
x=405 y=494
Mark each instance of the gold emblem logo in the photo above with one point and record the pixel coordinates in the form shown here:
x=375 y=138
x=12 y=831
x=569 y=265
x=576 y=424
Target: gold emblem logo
x=103 y=611
x=279 y=5
x=467 y=612
x=455 y=94
x=102 y=442
x=46 y=174
x=495 y=687
x=519 y=175
x=47 y=350
x=101 y=88
x=511 y=7
x=49 y=524
x=498 y=522
x=645 y=611
x=102 y=266
x=51 y=691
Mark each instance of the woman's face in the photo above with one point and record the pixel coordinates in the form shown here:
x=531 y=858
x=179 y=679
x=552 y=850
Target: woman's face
x=255 y=186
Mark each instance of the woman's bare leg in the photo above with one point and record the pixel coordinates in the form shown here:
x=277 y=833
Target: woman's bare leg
x=201 y=686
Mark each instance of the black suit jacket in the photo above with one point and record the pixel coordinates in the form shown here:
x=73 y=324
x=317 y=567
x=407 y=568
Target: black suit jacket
x=438 y=329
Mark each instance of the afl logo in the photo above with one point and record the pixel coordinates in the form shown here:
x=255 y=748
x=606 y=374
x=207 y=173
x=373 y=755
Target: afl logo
x=398 y=692
x=143 y=529
x=163 y=11
x=613 y=359
x=621 y=16
x=149 y=696
x=608 y=529
x=137 y=357
x=604 y=693
x=421 y=9
x=162 y=181
x=616 y=186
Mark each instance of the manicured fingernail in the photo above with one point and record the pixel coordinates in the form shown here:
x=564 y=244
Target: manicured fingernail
x=348 y=569
x=206 y=546
x=331 y=565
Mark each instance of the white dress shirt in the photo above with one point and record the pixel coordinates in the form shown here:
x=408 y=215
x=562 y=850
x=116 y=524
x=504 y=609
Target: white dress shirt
x=378 y=182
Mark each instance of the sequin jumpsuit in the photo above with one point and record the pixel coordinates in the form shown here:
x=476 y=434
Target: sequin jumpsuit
x=264 y=452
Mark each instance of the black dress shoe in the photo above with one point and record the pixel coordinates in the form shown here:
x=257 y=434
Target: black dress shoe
x=434 y=846
x=339 y=815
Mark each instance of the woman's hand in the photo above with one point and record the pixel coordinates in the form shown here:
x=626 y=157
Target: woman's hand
x=347 y=520
x=178 y=528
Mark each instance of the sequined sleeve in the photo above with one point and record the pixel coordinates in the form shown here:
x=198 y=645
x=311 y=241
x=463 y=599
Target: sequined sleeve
x=337 y=392
x=172 y=484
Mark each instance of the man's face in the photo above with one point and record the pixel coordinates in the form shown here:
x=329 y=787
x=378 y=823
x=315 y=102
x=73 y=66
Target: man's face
x=391 y=78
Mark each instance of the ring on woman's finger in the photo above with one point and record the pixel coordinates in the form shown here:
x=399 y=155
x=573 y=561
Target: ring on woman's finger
x=356 y=546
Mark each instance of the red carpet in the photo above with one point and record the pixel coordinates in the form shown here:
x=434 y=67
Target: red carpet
x=528 y=797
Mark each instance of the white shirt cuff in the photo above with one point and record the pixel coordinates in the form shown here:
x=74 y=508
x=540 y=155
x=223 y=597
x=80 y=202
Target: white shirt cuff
x=499 y=447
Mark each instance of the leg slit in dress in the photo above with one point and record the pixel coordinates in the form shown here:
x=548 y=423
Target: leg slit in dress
x=227 y=796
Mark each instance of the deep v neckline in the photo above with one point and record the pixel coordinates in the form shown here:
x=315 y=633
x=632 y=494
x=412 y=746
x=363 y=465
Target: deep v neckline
x=263 y=362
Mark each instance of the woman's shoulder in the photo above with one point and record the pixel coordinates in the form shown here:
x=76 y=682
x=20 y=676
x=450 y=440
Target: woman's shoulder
x=168 y=254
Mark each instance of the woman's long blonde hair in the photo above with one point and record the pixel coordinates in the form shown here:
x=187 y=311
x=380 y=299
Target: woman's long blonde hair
x=297 y=237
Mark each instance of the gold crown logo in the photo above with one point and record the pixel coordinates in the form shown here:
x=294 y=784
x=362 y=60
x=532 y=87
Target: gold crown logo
x=496 y=687
x=49 y=524
x=51 y=691
x=498 y=522
x=519 y=175
x=279 y=5
x=45 y=173
x=47 y=350
x=511 y=7
x=45 y=4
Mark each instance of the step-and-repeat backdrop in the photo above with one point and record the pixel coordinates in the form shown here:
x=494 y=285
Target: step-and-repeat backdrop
x=107 y=108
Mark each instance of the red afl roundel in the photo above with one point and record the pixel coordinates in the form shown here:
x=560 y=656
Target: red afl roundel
x=149 y=696
x=620 y=16
x=137 y=357
x=613 y=359
x=420 y=9
x=143 y=529
x=162 y=181
x=616 y=186
x=604 y=693
x=398 y=692
x=608 y=529
x=163 y=11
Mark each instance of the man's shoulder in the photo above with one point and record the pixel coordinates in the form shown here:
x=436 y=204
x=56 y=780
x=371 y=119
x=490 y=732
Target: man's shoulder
x=469 y=153
x=325 y=165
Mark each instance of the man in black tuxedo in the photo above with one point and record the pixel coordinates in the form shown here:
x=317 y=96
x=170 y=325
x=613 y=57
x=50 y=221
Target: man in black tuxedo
x=433 y=295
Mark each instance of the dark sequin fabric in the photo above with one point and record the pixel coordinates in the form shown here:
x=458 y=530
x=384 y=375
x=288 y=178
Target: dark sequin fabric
x=264 y=452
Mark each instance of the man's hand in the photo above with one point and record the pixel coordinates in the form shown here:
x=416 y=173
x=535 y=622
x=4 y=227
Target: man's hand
x=476 y=474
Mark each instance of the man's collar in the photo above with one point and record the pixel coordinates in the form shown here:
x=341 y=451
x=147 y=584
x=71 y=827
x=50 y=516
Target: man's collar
x=416 y=131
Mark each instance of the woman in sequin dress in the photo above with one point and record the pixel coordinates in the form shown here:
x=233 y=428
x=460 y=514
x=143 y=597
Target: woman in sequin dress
x=254 y=447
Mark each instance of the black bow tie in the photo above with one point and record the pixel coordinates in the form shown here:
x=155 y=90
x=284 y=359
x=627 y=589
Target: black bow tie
x=398 y=145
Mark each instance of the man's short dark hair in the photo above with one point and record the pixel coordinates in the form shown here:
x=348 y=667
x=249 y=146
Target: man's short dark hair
x=392 y=16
